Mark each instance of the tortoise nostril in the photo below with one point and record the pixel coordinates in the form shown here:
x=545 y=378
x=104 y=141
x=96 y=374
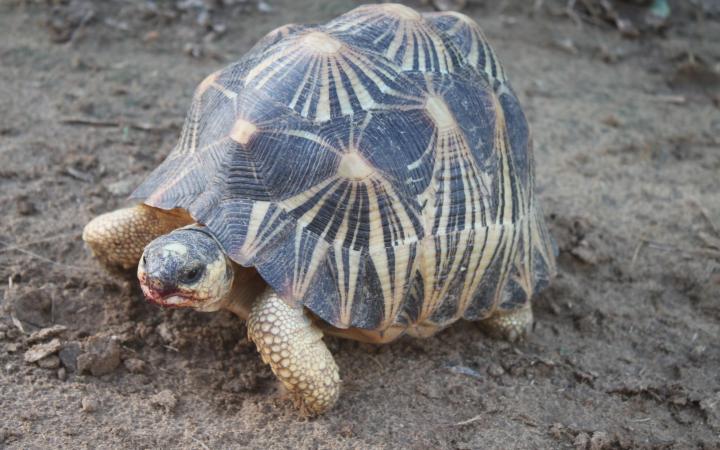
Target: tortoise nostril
x=160 y=287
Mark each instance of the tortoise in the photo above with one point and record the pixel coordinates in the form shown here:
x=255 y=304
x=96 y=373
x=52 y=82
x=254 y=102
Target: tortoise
x=367 y=178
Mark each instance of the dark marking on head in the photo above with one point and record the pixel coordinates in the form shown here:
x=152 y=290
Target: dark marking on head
x=186 y=268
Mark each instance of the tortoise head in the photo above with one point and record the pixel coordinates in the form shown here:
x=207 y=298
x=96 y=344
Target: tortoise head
x=186 y=269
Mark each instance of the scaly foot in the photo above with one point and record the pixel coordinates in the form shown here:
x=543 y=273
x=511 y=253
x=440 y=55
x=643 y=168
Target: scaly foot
x=510 y=326
x=117 y=238
x=293 y=346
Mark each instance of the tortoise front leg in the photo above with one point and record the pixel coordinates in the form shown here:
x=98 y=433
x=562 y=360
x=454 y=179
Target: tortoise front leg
x=293 y=346
x=117 y=238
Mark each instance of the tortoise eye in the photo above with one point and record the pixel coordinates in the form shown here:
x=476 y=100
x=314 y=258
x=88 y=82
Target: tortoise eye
x=192 y=275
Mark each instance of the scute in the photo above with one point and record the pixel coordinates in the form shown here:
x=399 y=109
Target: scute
x=321 y=78
x=399 y=34
x=471 y=41
x=371 y=169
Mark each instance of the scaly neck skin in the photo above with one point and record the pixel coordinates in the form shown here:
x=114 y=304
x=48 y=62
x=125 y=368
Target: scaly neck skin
x=247 y=287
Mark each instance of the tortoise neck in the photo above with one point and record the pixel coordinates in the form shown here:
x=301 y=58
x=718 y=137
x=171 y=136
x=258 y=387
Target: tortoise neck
x=246 y=289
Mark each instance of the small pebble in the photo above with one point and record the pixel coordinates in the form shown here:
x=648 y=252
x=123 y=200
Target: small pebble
x=40 y=351
x=697 y=353
x=101 y=358
x=611 y=121
x=264 y=7
x=62 y=374
x=164 y=399
x=46 y=333
x=193 y=50
x=134 y=365
x=581 y=441
x=68 y=355
x=13 y=333
x=503 y=345
x=599 y=440
x=557 y=430
x=25 y=207
x=89 y=404
x=49 y=362
x=346 y=430
x=565 y=44
x=151 y=36
x=164 y=331
x=495 y=370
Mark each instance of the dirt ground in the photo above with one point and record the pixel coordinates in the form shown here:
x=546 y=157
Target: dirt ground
x=624 y=353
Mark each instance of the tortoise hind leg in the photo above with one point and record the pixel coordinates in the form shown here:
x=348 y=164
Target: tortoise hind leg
x=510 y=325
x=117 y=238
x=293 y=346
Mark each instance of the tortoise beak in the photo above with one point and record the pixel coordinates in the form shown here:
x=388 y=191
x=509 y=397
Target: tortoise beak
x=160 y=293
x=165 y=298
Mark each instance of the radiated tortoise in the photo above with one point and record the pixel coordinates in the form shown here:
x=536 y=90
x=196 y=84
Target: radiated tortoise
x=367 y=178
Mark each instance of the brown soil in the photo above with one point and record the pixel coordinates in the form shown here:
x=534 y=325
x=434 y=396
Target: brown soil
x=624 y=353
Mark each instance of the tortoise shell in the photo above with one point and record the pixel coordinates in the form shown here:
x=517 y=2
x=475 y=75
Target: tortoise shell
x=376 y=169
